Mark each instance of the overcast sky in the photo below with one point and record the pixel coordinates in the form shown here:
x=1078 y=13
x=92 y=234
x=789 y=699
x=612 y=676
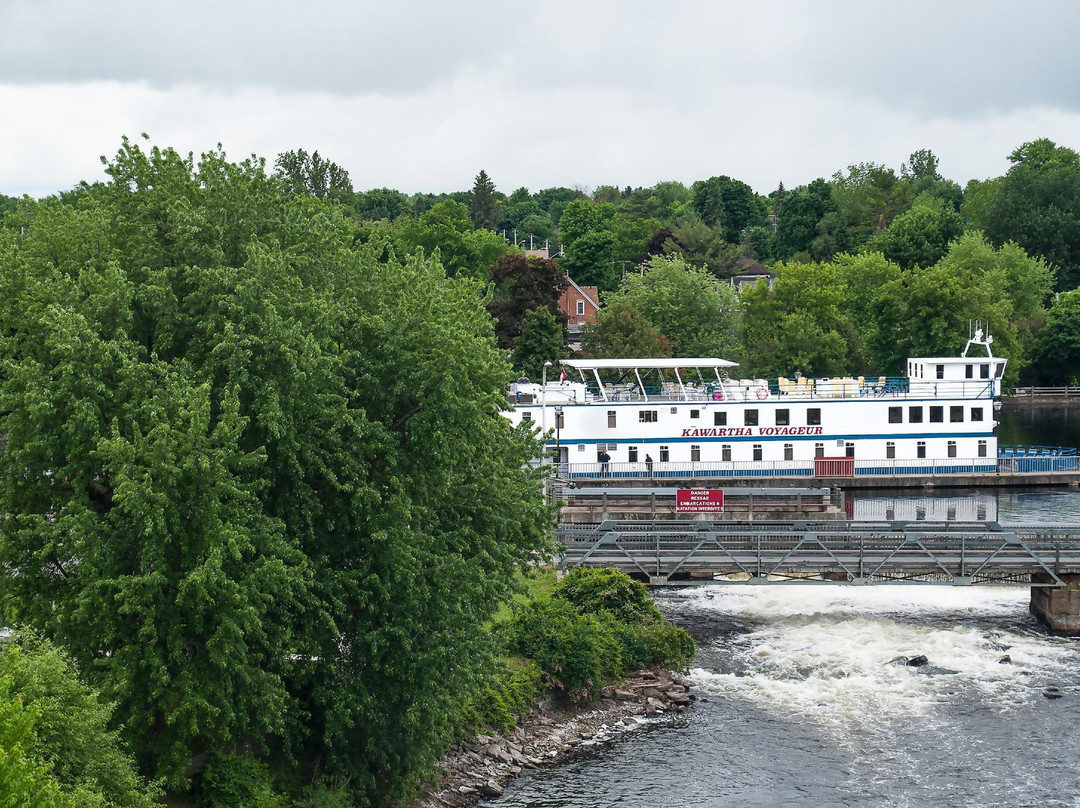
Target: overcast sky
x=422 y=95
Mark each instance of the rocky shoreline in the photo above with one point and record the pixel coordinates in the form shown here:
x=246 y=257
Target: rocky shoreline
x=473 y=771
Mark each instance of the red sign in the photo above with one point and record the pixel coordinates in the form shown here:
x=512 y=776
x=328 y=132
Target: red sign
x=699 y=500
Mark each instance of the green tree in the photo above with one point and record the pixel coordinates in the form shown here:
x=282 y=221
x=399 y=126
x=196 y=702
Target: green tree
x=71 y=728
x=921 y=235
x=620 y=332
x=447 y=228
x=381 y=203
x=305 y=173
x=798 y=214
x=247 y=458
x=25 y=780
x=1037 y=205
x=687 y=305
x=483 y=202
x=587 y=232
x=730 y=204
x=542 y=338
x=1056 y=354
x=798 y=325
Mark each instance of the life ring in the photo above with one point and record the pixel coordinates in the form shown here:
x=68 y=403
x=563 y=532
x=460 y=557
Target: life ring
x=762 y=392
x=717 y=396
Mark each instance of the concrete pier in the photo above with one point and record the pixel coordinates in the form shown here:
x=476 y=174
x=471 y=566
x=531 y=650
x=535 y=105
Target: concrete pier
x=1057 y=607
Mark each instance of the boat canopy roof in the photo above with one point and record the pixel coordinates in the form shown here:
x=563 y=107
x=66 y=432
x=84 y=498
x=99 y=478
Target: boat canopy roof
x=665 y=363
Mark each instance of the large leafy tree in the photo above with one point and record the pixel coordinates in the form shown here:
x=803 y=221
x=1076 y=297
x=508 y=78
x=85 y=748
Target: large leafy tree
x=730 y=204
x=1037 y=205
x=1056 y=354
x=256 y=479
x=920 y=235
x=542 y=339
x=620 y=332
x=587 y=232
x=798 y=213
x=463 y=251
x=687 y=305
x=305 y=173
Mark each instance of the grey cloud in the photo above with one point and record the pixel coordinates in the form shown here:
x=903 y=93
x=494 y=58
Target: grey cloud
x=333 y=46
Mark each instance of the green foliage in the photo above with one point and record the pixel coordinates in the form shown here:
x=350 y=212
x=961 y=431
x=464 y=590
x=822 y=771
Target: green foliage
x=594 y=590
x=622 y=331
x=687 y=305
x=1056 y=354
x=381 y=203
x=798 y=213
x=587 y=232
x=577 y=653
x=542 y=339
x=237 y=781
x=248 y=455
x=483 y=203
x=1037 y=205
x=514 y=690
x=304 y=173
x=651 y=644
x=798 y=325
x=25 y=779
x=730 y=204
x=71 y=728
x=921 y=235
x=446 y=232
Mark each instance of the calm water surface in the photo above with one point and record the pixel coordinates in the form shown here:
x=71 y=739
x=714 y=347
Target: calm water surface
x=800 y=704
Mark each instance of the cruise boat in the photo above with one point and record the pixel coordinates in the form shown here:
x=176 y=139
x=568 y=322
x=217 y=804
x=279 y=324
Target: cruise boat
x=677 y=417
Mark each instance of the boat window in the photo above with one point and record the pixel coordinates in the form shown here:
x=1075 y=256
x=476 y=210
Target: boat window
x=644 y=416
x=631 y=454
x=984 y=371
x=896 y=415
x=982 y=448
x=937 y=415
x=789 y=451
x=920 y=449
x=695 y=454
x=950 y=513
x=719 y=419
x=611 y=419
x=1000 y=370
x=956 y=414
x=980 y=511
x=695 y=413
x=952 y=448
x=750 y=418
x=813 y=416
x=849 y=450
x=581 y=447
x=757 y=451
x=783 y=417
x=725 y=453
x=914 y=415
x=819 y=450
x=890 y=450
x=969 y=371
x=664 y=454
x=941 y=371
x=976 y=413
x=526 y=416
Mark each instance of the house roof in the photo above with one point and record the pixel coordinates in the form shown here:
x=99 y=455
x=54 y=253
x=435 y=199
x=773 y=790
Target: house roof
x=751 y=266
x=592 y=298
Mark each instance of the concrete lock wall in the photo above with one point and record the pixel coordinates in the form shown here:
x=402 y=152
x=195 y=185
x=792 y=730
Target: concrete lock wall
x=1057 y=607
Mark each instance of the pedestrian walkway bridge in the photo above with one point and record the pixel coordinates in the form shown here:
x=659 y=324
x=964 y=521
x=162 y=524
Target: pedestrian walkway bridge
x=856 y=552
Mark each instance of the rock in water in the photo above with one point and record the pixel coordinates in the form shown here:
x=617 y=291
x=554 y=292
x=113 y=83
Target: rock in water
x=1005 y=660
x=918 y=661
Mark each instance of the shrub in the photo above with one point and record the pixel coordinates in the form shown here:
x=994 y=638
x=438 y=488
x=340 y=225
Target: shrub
x=514 y=690
x=593 y=590
x=656 y=644
x=577 y=653
x=237 y=781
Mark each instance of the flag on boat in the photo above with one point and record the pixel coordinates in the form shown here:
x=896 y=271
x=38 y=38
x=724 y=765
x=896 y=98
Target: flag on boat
x=562 y=375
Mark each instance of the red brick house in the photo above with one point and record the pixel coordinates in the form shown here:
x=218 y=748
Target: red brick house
x=580 y=305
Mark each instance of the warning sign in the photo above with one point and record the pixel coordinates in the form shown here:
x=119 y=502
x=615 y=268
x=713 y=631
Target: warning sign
x=699 y=500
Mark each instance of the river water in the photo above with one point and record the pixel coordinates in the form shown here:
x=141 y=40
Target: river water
x=800 y=702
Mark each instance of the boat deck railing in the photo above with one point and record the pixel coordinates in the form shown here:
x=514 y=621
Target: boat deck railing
x=783 y=389
x=820 y=467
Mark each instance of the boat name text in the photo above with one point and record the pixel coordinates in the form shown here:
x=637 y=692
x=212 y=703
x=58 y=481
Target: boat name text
x=750 y=432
